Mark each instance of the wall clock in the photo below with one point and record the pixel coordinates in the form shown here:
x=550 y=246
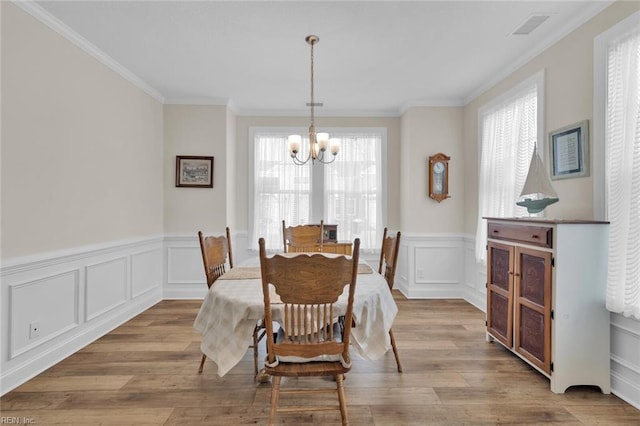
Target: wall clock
x=439 y=177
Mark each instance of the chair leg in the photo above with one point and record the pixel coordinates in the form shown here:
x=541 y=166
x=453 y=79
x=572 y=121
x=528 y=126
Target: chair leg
x=275 y=395
x=395 y=350
x=341 y=397
x=255 y=352
x=202 y=364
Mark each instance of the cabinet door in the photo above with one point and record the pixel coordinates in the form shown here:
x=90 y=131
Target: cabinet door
x=500 y=259
x=533 y=306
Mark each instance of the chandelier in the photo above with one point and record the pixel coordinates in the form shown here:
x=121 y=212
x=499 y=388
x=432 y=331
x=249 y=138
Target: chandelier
x=319 y=143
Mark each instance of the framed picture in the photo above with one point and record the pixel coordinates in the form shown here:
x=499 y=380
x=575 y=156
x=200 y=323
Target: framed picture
x=194 y=171
x=569 y=149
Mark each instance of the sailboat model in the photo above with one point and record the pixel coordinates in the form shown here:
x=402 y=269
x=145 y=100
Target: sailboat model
x=537 y=191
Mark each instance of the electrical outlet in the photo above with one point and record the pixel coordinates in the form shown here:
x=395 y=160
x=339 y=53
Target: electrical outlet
x=420 y=273
x=34 y=329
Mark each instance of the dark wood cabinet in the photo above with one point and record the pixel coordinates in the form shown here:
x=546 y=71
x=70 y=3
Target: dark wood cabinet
x=546 y=288
x=500 y=292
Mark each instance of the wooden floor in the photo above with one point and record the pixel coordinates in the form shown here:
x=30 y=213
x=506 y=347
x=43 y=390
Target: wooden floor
x=145 y=372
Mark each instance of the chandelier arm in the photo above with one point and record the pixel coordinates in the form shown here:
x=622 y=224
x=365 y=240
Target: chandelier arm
x=333 y=158
x=299 y=162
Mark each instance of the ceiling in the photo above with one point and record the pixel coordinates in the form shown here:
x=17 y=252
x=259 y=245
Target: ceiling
x=373 y=58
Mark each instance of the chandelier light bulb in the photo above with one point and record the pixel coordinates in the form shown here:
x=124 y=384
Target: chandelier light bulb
x=323 y=141
x=294 y=144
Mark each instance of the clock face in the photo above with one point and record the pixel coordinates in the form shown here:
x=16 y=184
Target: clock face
x=438 y=167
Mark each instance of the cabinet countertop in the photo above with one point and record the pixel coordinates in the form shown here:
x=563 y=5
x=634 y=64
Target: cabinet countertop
x=545 y=220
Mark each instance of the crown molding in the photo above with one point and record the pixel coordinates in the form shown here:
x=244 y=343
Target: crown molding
x=569 y=26
x=35 y=10
x=431 y=103
x=325 y=113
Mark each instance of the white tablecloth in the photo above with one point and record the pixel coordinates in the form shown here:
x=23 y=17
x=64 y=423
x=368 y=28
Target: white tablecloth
x=232 y=307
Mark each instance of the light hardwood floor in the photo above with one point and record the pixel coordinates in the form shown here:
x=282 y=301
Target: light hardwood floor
x=145 y=372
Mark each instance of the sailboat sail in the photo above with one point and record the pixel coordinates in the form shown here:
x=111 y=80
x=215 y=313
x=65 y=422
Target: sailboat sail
x=537 y=191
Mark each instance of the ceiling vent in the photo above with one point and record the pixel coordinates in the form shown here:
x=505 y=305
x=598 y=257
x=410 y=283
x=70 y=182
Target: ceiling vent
x=533 y=22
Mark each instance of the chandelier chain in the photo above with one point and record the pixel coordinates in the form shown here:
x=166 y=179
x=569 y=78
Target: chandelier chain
x=312 y=77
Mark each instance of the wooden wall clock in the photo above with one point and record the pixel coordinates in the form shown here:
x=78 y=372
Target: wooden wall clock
x=439 y=177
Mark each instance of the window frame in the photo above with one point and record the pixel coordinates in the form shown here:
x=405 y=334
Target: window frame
x=316 y=212
x=600 y=60
x=537 y=79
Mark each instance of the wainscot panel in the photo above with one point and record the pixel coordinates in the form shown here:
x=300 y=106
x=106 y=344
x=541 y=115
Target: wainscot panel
x=625 y=359
x=185 y=277
x=105 y=287
x=34 y=319
x=54 y=304
x=433 y=266
x=475 y=289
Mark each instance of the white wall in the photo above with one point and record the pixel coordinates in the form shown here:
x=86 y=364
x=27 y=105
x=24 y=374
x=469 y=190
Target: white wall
x=81 y=198
x=568 y=67
x=427 y=131
x=81 y=146
x=195 y=130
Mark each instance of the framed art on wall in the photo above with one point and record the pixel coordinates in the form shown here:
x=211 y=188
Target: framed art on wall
x=194 y=171
x=569 y=149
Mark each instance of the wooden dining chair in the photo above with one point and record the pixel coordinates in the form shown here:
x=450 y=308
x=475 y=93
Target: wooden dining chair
x=302 y=238
x=309 y=342
x=216 y=253
x=387 y=267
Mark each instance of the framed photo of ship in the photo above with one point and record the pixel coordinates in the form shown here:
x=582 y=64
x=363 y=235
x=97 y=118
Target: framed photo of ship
x=569 y=149
x=194 y=171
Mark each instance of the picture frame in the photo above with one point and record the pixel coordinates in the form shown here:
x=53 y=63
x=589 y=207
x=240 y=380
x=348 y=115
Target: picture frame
x=193 y=171
x=569 y=151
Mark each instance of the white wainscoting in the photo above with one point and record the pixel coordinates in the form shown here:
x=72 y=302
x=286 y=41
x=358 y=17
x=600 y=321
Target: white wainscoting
x=625 y=359
x=54 y=304
x=430 y=266
x=184 y=271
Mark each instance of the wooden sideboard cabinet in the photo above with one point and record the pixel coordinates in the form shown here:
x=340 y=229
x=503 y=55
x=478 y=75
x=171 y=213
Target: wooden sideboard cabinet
x=339 y=248
x=546 y=288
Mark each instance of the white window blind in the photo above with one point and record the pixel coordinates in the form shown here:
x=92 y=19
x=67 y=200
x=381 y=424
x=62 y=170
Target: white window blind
x=348 y=192
x=508 y=135
x=281 y=190
x=352 y=190
x=622 y=164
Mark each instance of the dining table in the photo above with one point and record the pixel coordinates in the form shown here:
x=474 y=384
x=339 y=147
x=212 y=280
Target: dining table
x=234 y=305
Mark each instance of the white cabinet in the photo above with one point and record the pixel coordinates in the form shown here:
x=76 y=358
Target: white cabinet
x=546 y=288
